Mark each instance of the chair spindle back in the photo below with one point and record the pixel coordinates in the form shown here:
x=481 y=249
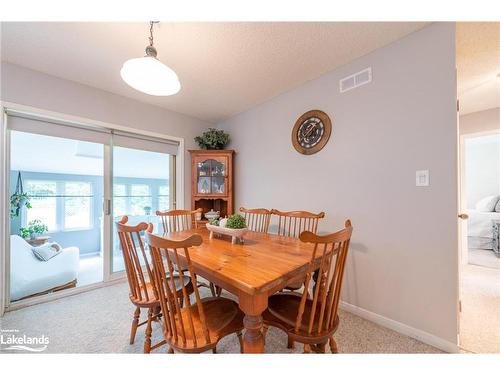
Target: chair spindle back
x=293 y=223
x=179 y=329
x=130 y=240
x=178 y=220
x=257 y=219
x=326 y=295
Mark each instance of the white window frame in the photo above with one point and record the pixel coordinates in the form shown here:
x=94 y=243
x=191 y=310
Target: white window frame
x=61 y=205
x=6 y=108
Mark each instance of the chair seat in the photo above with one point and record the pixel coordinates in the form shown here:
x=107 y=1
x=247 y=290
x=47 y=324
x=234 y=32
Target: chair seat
x=296 y=283
x=152 y=300
x=222 y=317
x=283 y=309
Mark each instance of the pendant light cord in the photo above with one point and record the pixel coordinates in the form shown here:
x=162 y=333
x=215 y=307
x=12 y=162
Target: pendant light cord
x=151 y=23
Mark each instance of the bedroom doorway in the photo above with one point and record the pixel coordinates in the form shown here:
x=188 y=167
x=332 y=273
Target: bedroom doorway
x=478 y=88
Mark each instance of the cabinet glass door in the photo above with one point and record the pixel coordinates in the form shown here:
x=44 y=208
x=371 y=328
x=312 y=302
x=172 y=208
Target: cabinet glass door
x=211 y=177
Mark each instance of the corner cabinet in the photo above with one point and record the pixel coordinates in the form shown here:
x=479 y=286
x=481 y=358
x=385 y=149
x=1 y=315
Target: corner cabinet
x=212 y=181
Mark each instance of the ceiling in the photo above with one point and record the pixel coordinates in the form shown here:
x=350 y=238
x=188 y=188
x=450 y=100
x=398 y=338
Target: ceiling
x=68 y=156
x=224 y=68
x=478 y=65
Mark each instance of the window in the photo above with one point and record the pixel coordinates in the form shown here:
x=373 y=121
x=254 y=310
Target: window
x=61 y=205
x=119 y=199
x=140 y=197
x=163 y=198
x=77 y=205
x=43 y=202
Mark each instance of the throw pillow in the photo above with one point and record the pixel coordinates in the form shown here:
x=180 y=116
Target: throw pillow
x=487 y=204
x=46 y=251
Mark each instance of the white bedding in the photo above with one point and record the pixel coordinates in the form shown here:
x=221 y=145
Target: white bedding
x=480 y=229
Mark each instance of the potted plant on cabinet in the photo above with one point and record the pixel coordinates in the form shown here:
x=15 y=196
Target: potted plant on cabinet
x=213 y=139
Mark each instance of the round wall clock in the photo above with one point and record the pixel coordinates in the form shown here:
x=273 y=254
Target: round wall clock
x=311 y=132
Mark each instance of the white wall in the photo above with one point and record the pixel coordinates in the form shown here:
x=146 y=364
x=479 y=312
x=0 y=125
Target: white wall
x=404 y=256
x=482 y=167
x=481 y=153
x=480 y=122
x=28 y=87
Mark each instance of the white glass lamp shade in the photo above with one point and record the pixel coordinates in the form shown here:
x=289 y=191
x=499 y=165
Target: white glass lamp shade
x=149 y=75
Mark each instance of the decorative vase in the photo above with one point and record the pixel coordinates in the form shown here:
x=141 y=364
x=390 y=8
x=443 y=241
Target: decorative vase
x=212 y=214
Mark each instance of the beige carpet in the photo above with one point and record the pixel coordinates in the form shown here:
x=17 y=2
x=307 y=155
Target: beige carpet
x=99 y=322
x=480 y=318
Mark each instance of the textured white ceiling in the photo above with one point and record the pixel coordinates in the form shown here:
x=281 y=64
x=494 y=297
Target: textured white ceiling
x=224 y=68
x=478 y=64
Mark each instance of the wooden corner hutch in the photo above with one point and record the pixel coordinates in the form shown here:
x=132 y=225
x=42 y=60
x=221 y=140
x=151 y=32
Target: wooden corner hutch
x=212 y=181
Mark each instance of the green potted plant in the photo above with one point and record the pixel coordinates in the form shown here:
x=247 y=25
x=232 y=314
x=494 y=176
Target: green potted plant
x=213 y=139
x=34 y=229
x=147 y=210
x=18 y=201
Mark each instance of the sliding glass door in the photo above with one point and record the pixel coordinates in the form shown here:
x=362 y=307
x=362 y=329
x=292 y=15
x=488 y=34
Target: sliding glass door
x=57 y=225
x=68 y=186
x=141 y=186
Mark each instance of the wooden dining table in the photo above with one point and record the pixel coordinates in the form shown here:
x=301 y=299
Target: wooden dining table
x=252 y=271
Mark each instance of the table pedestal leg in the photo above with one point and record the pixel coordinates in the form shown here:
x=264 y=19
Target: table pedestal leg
x=253 y=306
x=253 y=339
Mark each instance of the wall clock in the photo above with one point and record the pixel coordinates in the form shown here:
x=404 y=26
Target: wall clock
x=311 y=132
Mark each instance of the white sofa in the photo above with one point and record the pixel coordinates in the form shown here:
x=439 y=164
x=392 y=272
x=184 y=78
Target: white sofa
x=30 y=276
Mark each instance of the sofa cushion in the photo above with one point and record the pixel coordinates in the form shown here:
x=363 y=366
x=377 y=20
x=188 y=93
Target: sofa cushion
x=487 y=204
x=46 y=251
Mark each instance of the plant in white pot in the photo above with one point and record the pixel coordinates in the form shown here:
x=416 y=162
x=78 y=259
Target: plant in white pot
x=234 y=226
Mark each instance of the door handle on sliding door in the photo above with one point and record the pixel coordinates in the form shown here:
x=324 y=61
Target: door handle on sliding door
x=106 y=206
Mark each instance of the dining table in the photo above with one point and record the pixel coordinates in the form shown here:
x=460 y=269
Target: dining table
x=251 y=270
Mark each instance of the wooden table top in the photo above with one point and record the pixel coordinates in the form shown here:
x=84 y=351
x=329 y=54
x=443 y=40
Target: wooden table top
x=263 y=263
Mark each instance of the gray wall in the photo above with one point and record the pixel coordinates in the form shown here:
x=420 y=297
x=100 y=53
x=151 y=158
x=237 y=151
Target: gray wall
x=24 y=86
x=404 y=257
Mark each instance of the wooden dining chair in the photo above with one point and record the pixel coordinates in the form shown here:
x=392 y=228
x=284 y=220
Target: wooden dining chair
x=178 y=220
x=314 y=321
x=197 y=327
x=292 y=224
x=257 y=219
x=143 y=294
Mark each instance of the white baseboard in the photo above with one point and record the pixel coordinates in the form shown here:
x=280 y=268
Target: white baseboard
x=402 y=328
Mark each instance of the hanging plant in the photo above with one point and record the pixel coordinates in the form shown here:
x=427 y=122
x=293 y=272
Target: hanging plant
x=213 y=139
x=19 y=199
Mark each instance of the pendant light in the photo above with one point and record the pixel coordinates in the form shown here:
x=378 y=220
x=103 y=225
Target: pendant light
x=148 y=74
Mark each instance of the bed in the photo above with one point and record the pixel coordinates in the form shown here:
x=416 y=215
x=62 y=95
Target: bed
x=482 y=233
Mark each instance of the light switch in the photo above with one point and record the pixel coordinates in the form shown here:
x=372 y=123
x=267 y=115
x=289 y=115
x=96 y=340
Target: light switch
x=422 y=178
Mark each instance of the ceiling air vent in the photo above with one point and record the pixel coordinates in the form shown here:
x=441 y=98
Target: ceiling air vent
x=355 y=80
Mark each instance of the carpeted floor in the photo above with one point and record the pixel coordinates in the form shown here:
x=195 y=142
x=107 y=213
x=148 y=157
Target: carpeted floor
x=480 y=317
x=99 y=322
x=484 y=258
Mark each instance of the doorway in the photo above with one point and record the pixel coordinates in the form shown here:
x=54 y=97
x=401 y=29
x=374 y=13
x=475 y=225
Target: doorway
x=478 y=87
